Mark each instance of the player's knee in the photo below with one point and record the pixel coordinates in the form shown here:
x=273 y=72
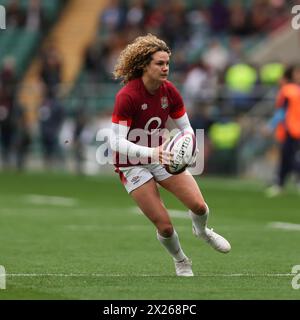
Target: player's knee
x=166 y=230
x=199 y=207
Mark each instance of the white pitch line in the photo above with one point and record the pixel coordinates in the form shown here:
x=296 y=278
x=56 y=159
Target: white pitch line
x=50 y=200
x=95 y=275
x=284 y=226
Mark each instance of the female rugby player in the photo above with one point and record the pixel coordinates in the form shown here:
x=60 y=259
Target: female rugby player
x=142 y=108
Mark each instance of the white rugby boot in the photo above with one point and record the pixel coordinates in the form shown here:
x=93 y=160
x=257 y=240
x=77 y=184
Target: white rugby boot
x=273 y=191
x=214 y=240
x=184 y=268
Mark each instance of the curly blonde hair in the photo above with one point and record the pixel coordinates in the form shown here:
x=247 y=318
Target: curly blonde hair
x=136 y=56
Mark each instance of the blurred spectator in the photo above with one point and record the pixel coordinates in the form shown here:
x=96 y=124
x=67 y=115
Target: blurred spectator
x=22 y=137
x=197 y=18
x=95 y=59
x=199 y=86
x=179 y=66
x=6 y=128
x=35 y=19
x=216 y=56
x=137 y=13
x=240 y=80
x=8 y=78
x=116 y=43
x=81 y=120
x=51 y=119
x=51 y=69
x=15 y=17
x=235 y=50
x=239 y=20
x=259 y=15
x=100 y=57
x=203 y=118
x=156 y=17
x=7 y=96
x=224 y=136
x=286 y=121
x=174 y=27
x=271 y=73
x=279 y=12
x=219 y=16
x=113 y=17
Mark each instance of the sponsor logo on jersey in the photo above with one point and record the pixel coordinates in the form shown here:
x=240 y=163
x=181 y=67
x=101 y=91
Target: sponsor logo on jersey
x=164 y=102
x=144 y=106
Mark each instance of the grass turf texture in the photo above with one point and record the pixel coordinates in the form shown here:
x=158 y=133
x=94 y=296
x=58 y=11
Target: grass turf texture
x=100 y=248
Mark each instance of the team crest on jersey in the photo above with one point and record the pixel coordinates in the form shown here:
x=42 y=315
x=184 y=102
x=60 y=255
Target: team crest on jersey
x=164 y=102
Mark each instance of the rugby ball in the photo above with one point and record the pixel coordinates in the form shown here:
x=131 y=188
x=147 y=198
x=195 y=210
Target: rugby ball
x=183 y=146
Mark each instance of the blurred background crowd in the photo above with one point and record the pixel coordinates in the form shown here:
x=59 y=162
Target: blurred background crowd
x=57 y=90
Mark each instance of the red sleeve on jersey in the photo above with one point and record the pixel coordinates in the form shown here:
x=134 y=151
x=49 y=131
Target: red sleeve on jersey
x=178 y=114
x=123 y=110
x=177 y=105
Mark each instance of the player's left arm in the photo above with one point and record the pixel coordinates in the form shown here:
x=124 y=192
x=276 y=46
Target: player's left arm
x=178 y=114
x=177 y=110
x=183 y=123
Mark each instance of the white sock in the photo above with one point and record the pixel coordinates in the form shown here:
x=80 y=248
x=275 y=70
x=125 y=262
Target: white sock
x=200 y=221
x=172 y=245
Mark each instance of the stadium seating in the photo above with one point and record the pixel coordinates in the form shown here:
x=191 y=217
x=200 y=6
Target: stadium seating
x=20 y=43
x=105 y=99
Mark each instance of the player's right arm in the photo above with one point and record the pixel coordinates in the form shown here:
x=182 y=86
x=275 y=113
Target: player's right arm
x=119 y=142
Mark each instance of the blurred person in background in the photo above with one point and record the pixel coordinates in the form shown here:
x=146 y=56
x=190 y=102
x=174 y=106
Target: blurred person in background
x=35 y=18
x=15 y=17
x=8 y=78
x=22 y=138
x=216 y=56
x=95 y=60
x=6 y=128
x=286 y=123
x=240 y=80
x=199 y=86
x=80 y=122
x=239 y=20
x=219 y=16
x=51 y=117
x=259 y=15
x=51 y=69
x=112 y=17
x=224 y=134
x=203 y=117
x=146 y=102
x=8 y=85
x=174 y=26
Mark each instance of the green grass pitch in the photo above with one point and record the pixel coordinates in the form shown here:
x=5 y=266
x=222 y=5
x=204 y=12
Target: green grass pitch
x=91 y=243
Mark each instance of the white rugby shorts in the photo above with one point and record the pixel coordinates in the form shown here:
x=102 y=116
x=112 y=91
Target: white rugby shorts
x=135 y=176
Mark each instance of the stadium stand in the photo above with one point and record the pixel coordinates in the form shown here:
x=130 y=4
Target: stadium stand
x=189 y=28
x=18 y=41
x=209 y=40
x=70 y=39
